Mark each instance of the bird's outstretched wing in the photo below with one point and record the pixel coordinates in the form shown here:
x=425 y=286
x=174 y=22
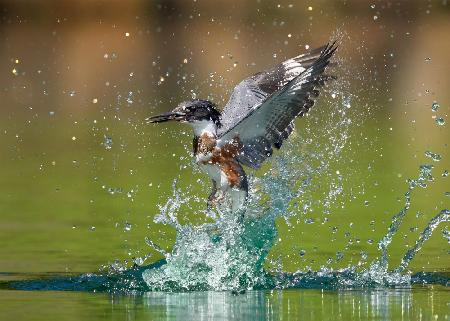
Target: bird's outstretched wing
x=255 y=89
x=262 y=108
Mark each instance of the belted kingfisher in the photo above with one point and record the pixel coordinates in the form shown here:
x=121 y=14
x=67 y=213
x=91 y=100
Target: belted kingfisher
x=258 y=116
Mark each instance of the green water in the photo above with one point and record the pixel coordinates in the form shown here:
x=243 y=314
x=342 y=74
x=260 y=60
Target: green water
x=72 y=203
x=418 y=303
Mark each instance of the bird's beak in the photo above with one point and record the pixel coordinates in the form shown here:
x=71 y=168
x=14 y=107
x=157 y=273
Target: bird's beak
x=166 y=117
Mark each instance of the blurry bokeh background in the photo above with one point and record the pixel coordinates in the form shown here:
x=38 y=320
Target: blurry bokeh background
x=81 y=174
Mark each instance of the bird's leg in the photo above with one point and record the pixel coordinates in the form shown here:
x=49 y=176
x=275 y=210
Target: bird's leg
x=212 y=196
x=239 y=195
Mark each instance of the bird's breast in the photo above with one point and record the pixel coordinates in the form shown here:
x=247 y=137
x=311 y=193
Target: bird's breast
x=206 y=149
x=204 y=146
x=219 y=162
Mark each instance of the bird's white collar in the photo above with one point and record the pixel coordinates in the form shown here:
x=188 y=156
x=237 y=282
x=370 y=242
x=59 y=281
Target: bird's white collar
x=204 y=127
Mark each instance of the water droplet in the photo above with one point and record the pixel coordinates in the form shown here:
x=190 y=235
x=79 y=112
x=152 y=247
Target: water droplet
x=434 y=106
x=127 y=34
x=130 y=98
x=92 y=228
x=366 y=203
x=94 y=101
x=445 y=173
x=446 y=234
x=309 y=220
x=138 y=260
x=427 y=59
x=113 y=191
x=369 y=241
x=339 y=256
x=51 y=113
x=302 y=253
x=72 y=93
x=433 y=156
x=440 y=121
x=127 y=227
x=363 y=255
x=447 y=194
x=347 y=102
x=74 y=138
x=375 y=17
x=108 y=143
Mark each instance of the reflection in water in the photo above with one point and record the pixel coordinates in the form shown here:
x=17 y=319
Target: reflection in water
x=375 y=304
x=413 y=303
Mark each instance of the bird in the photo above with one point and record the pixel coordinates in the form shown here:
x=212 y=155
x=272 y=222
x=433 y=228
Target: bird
x=258 y=117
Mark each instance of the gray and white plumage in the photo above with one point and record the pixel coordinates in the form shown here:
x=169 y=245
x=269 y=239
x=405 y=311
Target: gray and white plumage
x=262 y=108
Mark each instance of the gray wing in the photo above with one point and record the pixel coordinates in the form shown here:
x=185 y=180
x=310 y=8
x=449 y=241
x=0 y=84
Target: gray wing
x=269 y=123
x=254 y=90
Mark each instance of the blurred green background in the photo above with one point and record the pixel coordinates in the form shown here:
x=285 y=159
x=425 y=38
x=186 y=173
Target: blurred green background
x=82 y=175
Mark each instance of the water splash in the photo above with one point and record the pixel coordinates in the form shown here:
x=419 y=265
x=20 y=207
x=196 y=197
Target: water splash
x=378 y=271
x=443 y=216
x=433 y=156
x=229 y=255
x=108 y=143
x=224 y=255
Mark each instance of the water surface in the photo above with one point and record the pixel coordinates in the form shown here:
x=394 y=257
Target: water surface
x=416 y=303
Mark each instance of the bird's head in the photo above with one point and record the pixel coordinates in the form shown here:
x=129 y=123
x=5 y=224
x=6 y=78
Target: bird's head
x=192 y=111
